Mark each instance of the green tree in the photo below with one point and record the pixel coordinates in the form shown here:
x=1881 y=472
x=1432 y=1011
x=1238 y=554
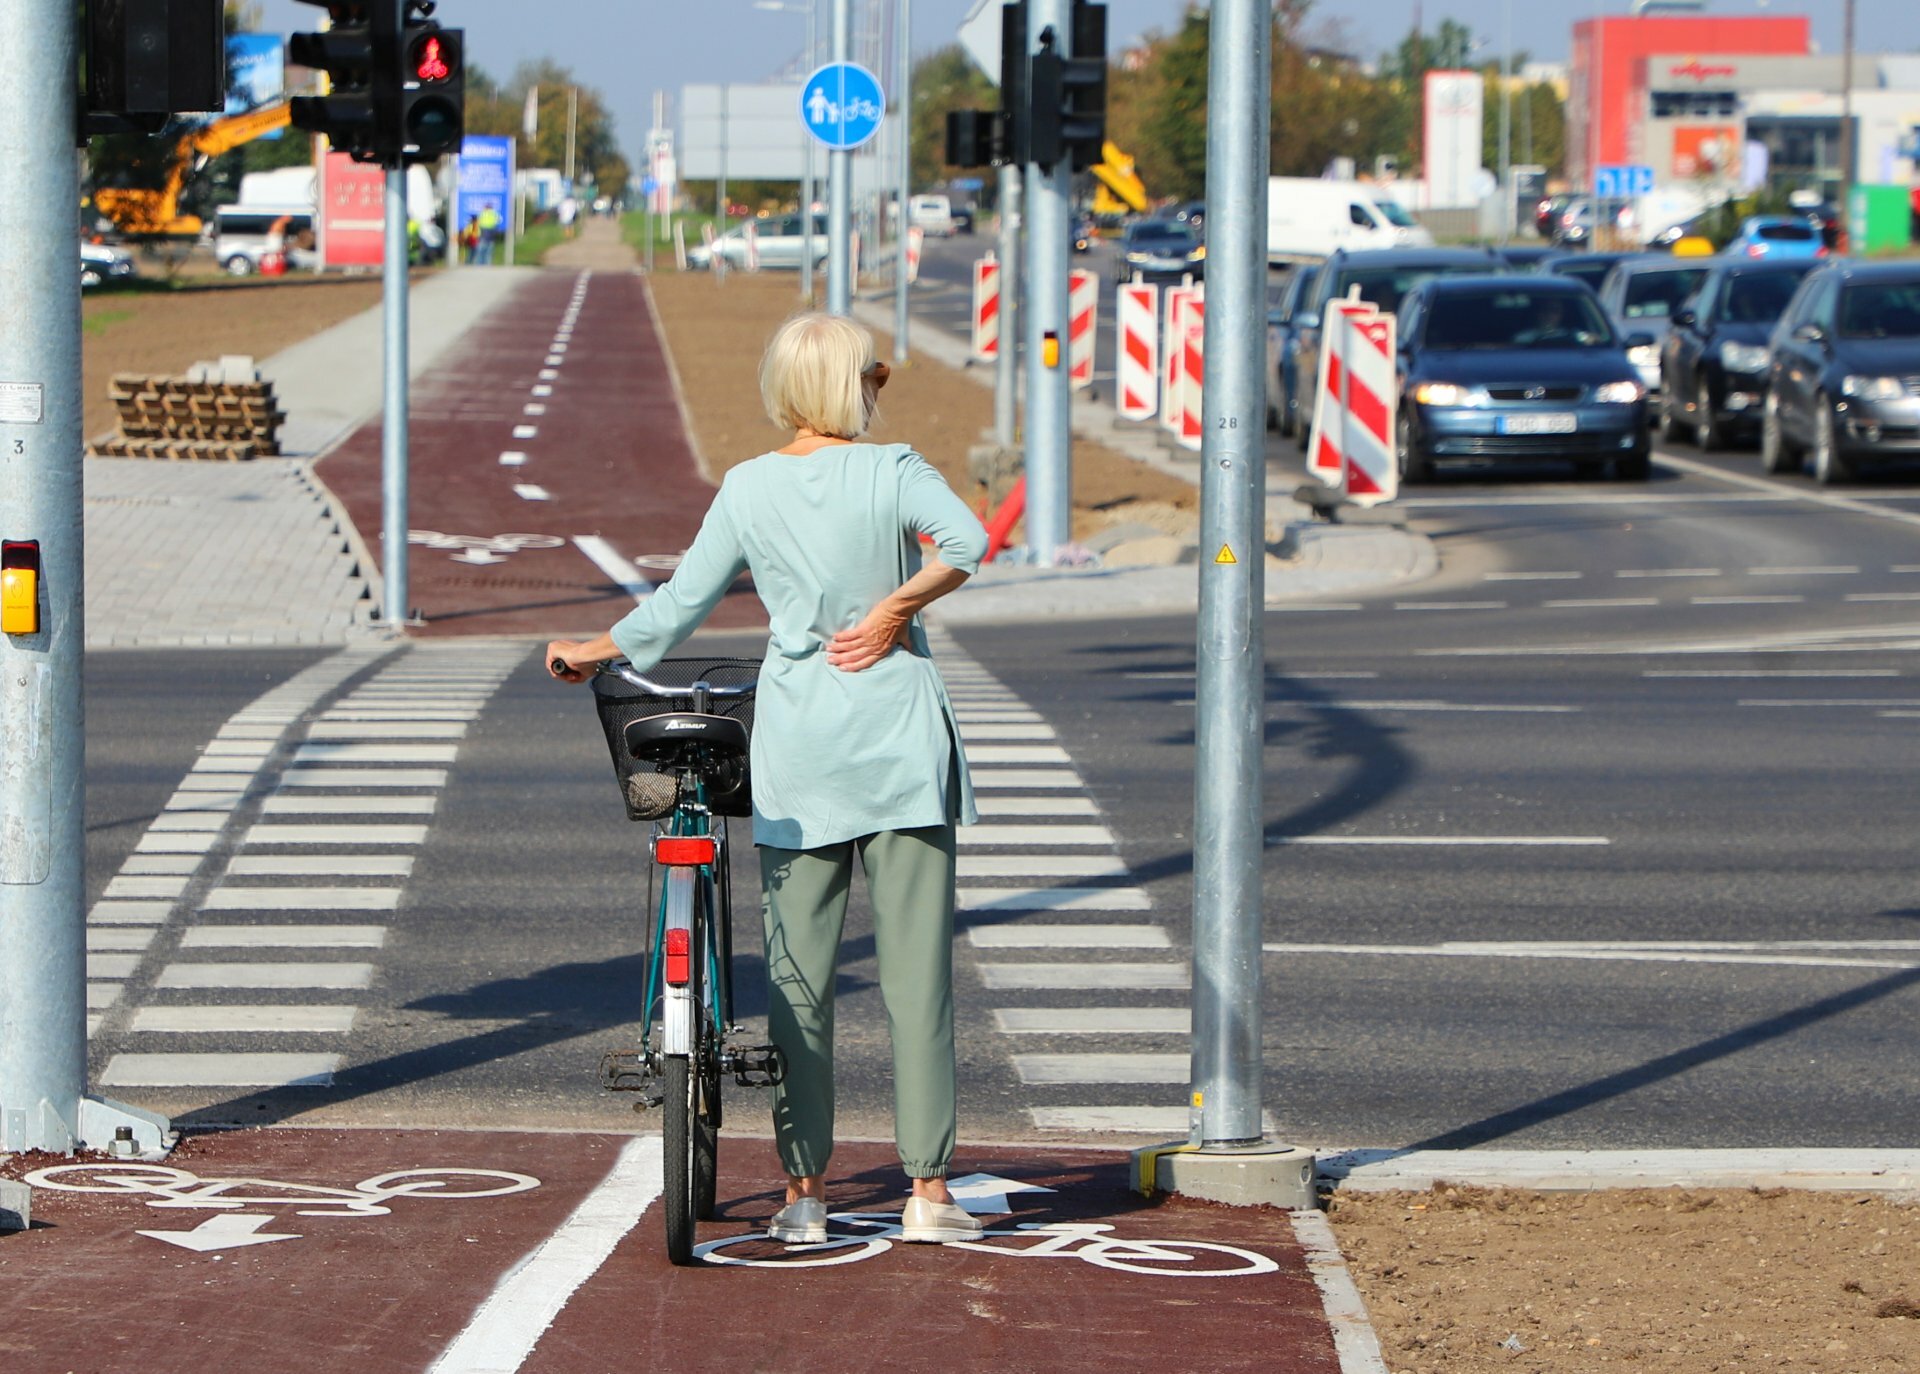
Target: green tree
x=500 y=109
x=943 y=81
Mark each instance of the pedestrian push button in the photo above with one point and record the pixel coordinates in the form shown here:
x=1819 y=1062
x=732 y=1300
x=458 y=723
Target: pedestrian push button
x=20 y=587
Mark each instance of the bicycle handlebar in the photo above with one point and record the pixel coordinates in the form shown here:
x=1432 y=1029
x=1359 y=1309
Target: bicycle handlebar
x=626 y=673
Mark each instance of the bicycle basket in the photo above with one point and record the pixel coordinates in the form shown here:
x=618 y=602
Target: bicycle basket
x=619 y=702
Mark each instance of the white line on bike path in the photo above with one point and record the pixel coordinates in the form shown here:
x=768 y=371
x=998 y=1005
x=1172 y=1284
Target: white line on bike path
x=504 y=1331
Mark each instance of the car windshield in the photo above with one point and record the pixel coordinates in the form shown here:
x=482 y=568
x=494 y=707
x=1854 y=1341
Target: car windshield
x=1588 y=271
x=1515 y=317
x=1385 y=287
x=1880 y=310
x=1160 y=238
x=1760 y=297
x=1785 y=233
x=1394 y=213
x=1656 y=295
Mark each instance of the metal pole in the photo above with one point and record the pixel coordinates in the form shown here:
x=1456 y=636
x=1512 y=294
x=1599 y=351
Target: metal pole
x=43 y=978
x=393 y=424
x=573 y=111
x=1049 y=398
x=839 y=193
x=903 y=103
x=1846 y=126
x=1228 y=814
x=1506 y=121
x=806 y=171
x=1006 y=363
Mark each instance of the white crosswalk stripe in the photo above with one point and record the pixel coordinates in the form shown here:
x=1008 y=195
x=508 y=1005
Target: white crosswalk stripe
x=263 y=870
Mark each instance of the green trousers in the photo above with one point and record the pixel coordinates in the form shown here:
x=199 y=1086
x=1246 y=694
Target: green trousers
x=910 y=878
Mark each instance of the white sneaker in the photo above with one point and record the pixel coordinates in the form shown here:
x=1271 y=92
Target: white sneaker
x=938 y=1222
x=799 y=1223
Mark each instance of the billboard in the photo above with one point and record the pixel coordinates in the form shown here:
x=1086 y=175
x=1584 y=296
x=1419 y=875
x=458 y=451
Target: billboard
x=256 y=72
x=352 y=212
x=486 y=174
x=745 y=133
x=1452 y=137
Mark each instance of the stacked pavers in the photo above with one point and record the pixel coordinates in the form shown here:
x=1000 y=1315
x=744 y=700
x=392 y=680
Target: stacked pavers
x=220 y=411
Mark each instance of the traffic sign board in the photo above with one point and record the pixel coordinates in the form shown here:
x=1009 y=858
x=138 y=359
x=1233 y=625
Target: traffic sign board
x=1621 y=180
x=841 y=105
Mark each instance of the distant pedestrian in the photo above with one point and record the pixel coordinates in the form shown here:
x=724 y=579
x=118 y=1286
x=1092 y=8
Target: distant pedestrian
x=470 y=239
x=856 y=754
x=490 y=226
x=569 y=212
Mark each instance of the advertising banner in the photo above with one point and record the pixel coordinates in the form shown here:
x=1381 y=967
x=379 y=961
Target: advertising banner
x=1455 y=103
x=256 y=73
x=486 y=181
x=352 y=212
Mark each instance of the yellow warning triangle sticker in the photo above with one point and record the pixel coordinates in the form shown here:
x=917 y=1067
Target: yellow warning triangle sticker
x=1225 y=555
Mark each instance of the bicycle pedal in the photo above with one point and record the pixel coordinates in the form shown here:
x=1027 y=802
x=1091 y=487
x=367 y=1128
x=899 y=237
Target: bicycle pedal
x=626 y=1071
x=755 y=1066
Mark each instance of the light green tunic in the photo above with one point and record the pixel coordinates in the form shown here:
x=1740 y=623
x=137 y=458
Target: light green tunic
x=836 y=755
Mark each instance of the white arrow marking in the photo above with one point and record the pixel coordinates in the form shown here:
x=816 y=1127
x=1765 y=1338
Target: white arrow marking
x=986 y=1194
x=229 y=1231
x=477 y=556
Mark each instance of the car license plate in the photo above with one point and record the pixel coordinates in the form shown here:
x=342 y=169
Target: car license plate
x=1538 y=424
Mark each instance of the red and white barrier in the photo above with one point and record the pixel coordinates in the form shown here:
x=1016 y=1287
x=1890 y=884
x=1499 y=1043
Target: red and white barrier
x=1193 y=371
x=750 y=240
x=1083 y=310
x=1352 y=443
x=916 y=236
x=1137 y=316
x=986 y=309
x=1173 y=355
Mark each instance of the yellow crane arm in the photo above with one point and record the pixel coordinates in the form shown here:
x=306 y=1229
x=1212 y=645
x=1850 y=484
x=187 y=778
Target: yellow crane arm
x=139 y=211
x=1115 y=172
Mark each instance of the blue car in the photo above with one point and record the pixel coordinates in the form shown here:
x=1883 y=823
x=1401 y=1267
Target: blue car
x=1777 y=237
x=1517 y=367
x=1283 y=405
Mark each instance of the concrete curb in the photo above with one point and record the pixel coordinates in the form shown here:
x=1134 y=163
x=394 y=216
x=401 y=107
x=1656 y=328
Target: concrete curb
x=1894 y=1172
x=16 y=1206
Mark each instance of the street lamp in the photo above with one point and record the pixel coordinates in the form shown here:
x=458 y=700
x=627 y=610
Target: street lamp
x=806 y=147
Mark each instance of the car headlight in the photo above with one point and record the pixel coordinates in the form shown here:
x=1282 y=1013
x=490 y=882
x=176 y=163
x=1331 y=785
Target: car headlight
x=1197 y=255
x=1449 y=394
x=1874 y=388
x=1739 y=357
x=1618 y=393
x=1137 y=257
x=1644 y=355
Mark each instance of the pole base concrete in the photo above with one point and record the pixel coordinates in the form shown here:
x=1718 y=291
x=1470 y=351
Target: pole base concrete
x=16 y=1206
x=1263 y=1175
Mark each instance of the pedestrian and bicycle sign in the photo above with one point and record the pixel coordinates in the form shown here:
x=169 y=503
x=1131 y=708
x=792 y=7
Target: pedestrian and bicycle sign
x=1622 y=181
x=841 y=105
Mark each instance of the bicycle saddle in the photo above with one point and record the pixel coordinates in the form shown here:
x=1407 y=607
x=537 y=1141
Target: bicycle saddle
x=664 y=738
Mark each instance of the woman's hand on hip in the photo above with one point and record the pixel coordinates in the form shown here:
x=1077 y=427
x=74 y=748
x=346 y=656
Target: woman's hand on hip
x=868 y=642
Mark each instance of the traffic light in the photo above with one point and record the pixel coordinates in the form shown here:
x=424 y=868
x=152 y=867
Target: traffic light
x=1016 y=117
x=429 y=99
x=976 y=138
x=345 y=53
x=1083 y=87
x=147 y=60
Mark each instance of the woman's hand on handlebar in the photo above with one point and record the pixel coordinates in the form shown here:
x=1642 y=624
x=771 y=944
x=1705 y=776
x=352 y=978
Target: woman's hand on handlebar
x=569 y=662
x=871 y=640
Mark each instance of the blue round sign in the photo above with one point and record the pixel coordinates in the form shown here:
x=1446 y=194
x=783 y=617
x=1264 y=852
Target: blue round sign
x=841 y=105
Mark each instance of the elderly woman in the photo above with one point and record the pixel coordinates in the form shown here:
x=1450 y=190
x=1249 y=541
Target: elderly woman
x=855 y=749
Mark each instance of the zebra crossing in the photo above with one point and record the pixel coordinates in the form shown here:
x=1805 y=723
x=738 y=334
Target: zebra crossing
x=1052 y=920
x=256 y=907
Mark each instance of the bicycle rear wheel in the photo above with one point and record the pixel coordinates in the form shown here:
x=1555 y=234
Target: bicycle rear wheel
x=683 y=1086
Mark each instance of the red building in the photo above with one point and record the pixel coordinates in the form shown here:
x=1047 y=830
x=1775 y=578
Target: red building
x=1608 y=101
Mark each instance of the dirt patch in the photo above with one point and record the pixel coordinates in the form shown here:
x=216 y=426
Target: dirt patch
x=167 y=331
x=1468 y=1280
x=716 y=330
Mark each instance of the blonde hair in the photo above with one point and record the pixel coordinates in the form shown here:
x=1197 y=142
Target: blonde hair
x=811 y=375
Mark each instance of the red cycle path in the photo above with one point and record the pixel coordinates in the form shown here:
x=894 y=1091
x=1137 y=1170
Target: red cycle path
x=609 y=449
x=85 y=1291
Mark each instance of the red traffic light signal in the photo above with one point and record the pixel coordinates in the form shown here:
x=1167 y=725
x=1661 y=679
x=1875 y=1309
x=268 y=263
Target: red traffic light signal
x=430 y=60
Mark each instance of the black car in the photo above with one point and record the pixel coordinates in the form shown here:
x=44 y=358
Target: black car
x=1713 y=365
x=1516 y=366
x=1283 y=398
x=1843 y=379
x=1526 y=257
x=1084 y=234
x=1158 y=250
x=1589 y=269
x=963 y=219
x=1383 y=276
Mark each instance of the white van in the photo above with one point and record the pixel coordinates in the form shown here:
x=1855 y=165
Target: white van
x=931 y=215
x=242 y=233
x=1308 y=217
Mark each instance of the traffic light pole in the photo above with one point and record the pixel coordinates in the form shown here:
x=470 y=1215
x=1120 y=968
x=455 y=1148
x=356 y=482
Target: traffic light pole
x=1006 y=362
x=1049 y=396
x=393 y=425
x=903 y=105
x=840 y=192
x=43 y=960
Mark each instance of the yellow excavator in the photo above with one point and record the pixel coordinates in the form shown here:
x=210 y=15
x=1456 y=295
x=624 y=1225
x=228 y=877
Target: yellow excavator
x=1118 y=187
x=149 y=213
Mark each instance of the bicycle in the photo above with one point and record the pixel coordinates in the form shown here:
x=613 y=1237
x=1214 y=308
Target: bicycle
x=685 y=770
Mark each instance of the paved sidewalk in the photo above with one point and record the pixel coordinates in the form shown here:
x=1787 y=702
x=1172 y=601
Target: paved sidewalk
x=596 y=247
x=192 y=554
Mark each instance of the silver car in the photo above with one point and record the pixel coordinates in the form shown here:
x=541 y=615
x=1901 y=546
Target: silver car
x=779 y=241
x=1641 y=296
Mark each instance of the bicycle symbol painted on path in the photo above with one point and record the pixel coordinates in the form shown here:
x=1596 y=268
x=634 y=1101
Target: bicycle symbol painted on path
x=482 y=548
x=181 y=1188
x=875 y=1232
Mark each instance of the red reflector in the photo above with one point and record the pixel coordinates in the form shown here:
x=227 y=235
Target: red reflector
x=679 y=958
x=683 y=849
x=1754 y=250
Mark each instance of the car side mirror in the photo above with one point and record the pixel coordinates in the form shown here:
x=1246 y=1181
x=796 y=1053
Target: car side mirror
x=1810 y=333
x=1307 y=319
x=1640 y=340
x=1684 y=317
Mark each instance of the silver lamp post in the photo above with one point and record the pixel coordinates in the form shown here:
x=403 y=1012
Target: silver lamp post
x=808 y=62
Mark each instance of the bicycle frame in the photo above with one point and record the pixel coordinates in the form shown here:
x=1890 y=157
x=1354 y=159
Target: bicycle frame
x=690 y=901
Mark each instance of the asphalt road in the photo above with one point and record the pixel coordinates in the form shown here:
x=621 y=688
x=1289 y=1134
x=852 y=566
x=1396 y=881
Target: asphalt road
x=1603 y=837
